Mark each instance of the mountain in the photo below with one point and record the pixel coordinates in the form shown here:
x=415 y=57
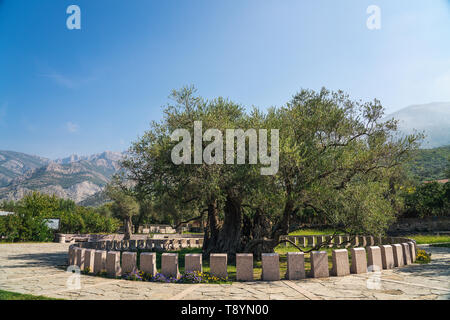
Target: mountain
x=77 y=177
x=15 y=164
x=433 y=119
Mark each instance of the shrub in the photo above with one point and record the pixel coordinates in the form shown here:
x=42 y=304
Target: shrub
x=23 y=226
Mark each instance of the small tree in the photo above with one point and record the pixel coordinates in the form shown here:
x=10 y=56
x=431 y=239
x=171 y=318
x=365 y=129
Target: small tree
x=124 y=205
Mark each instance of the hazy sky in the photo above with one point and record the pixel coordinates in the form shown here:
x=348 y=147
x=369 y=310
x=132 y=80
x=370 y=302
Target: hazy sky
x=85 y=91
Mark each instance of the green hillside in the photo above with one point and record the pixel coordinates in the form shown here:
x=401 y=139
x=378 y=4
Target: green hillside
x=430 y=164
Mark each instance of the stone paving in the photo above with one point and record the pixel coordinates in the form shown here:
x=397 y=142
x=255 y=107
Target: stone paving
x=40 y=269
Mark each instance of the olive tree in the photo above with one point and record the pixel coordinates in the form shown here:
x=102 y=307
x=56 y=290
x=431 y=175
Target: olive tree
x=336 y=159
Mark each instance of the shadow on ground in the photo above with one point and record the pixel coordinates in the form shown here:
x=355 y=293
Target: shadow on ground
x=57 y=260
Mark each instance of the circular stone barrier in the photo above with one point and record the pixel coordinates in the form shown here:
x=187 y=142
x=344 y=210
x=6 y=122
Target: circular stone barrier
x=368 y=254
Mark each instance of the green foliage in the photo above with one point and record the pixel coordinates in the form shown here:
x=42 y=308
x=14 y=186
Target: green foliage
x=338 y=160
x=23 y=226
x=427 y=200
x=7 y=295
x=28 y=222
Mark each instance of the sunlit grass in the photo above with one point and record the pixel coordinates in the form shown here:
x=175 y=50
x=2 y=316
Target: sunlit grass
x=7 y=295
x=313 y=232
x=427 y=239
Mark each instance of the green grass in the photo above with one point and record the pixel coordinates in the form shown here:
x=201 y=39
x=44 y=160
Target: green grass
x=430 y=239
x=7 y=295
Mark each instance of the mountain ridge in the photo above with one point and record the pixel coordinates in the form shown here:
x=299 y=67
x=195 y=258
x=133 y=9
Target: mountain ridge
x=432 y=118
x=75 y=177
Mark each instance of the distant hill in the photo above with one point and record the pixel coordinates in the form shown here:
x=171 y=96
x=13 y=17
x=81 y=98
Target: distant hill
x=77 y=178
x=15 y=164
x=430 y=164
x=432 y=118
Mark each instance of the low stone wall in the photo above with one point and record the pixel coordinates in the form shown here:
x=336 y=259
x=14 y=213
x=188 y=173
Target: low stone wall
x=342 y=241
x=72 y=238
x=147 y=244
x=420 y=225
x=106 y=257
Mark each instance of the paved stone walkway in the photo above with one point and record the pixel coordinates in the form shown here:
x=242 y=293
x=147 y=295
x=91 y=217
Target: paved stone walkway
x=39 y=269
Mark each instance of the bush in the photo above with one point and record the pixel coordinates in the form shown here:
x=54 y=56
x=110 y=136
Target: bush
x=28 y=222
x=23 y=226
x=428 y=200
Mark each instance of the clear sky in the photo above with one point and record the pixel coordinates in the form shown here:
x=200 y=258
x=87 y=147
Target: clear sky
x=86 y=91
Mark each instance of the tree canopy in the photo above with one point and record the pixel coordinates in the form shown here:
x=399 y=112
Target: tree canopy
x=336 y=159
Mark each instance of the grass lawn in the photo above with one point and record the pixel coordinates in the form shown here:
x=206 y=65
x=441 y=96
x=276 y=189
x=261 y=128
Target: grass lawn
x=6 y=295
x=428 y=239
x=420 y=239
x=313 y=232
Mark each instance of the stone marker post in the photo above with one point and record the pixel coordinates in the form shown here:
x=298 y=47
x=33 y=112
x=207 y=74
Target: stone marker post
x=374 y=258
x=270 y=267
x=244 y=266
x=89 y=257
x=406 y=253
x=359 y=261
x=295 y=266
x=99 y=261
x=129 y=262
x=319 y=264
x=387 y=257
x=398 y=255
x=80 y=258
x=193 y=262
x=169 y=265
x=218 y=265
x=113 y=264
x=148 y=263
x=341 y=266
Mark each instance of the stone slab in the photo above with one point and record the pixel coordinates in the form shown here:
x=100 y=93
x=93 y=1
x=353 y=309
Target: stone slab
x=193 y=262
x=129 y=262
x=244 y=267
x=359 y=261
x=270 y=267
x=406 y=253
x=398 y=255
x=374 y=260
x=99 y=261
x=169 y=265
x=295 y=266
x=89 y=257
x=319 y=264
x=148 y=263
x=341 y=265
x=80 y=258
x=387 y=257
x=113 y=264
x=218 y=265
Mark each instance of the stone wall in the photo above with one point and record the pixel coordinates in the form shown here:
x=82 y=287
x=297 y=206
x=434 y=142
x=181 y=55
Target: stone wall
x=420 y=225
x=117 y=257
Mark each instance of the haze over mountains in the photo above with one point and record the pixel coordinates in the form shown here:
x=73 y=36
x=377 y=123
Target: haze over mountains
x=76 y=177
x=432 y=118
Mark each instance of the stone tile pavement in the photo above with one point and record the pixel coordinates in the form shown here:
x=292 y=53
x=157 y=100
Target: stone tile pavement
x=40 y=269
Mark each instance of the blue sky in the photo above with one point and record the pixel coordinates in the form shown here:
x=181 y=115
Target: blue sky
x=85 y=91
